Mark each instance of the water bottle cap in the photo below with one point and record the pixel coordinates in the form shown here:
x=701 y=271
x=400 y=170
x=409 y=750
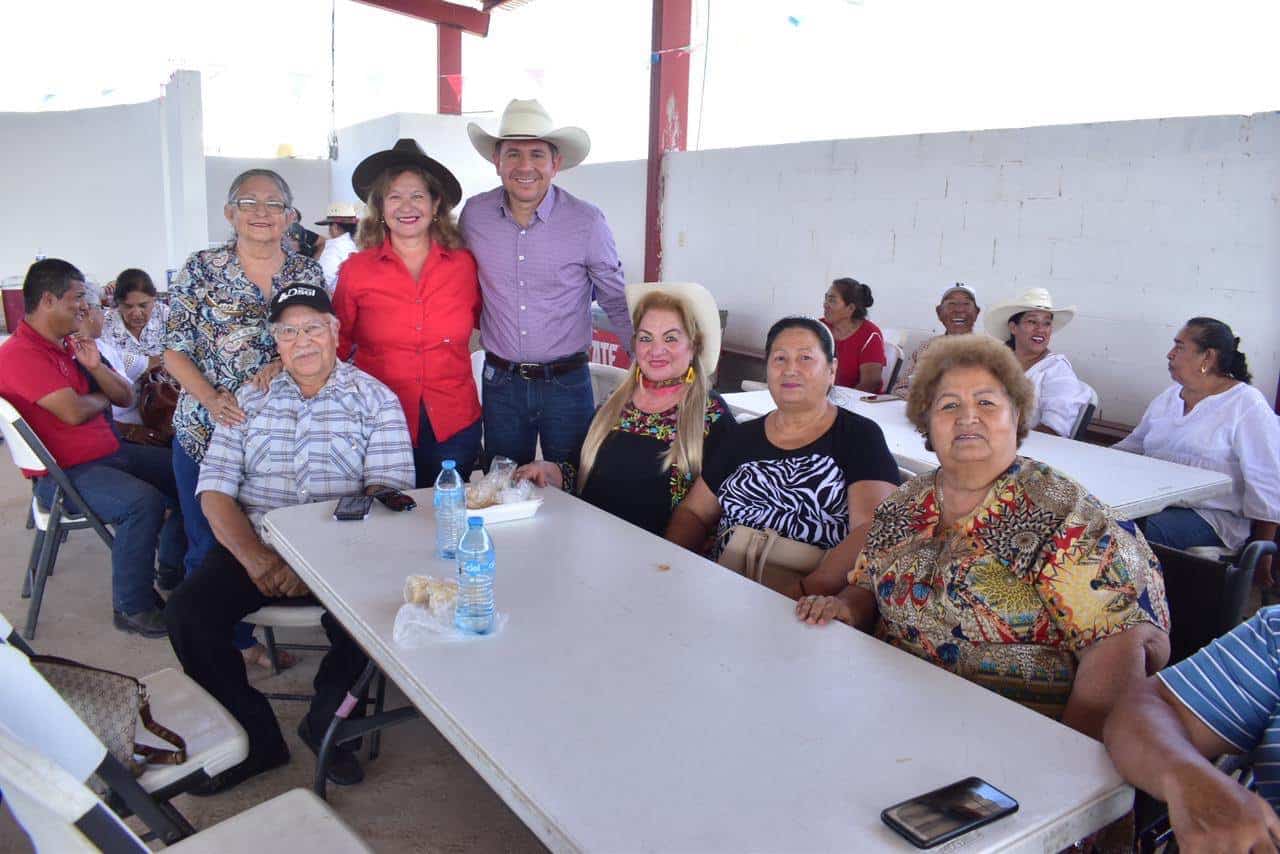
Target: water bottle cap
x=448 y=465
x=475 y=521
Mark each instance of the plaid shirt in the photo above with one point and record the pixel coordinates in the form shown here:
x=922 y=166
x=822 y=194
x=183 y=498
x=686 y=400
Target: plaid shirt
x=294 y=450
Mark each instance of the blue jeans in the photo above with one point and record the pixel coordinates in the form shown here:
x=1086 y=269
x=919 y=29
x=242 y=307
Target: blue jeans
x=200 y=538
x=130 y=490
x=519 y=412
x=462 y=447
x=1179 y=528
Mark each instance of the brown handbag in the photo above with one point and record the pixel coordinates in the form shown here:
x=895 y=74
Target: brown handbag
x=110 y=705
x=157 y=398
x=769 y=558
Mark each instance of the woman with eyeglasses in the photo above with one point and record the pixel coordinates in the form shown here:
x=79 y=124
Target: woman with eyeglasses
x=407 y=303
x=217 y=338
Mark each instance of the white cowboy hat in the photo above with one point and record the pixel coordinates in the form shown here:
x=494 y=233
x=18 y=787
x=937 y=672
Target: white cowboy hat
x=343 y=213
x=1031 y=299
x=528 y=120
x=702 y=305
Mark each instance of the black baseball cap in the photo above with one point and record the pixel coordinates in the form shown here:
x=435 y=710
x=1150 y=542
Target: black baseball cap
x=312 y=296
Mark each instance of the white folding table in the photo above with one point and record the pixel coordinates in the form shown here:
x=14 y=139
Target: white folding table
x=642 y=698
x=1131 y=484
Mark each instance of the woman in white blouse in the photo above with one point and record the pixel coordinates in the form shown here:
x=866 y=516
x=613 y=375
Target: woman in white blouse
x=1027 y=324
x=131 y=339
x=1213 y=419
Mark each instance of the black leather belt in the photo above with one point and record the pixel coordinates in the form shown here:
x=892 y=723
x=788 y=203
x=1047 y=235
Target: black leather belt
x=538 y=370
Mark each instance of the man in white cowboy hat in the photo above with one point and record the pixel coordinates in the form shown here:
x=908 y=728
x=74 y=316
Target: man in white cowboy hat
x=1027 y=323
x=342 y=218
x=543 y=255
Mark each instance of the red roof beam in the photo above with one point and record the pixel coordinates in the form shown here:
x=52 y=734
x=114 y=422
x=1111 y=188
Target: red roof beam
x=438 y=11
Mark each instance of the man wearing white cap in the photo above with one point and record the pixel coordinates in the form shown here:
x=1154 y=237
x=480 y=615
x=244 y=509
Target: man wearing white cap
x=342 y=218
x=958 y=312
x=543 y=255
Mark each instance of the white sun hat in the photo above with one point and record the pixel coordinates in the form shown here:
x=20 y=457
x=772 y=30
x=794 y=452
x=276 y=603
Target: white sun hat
x=702 y=305
x=529 y=120
x=1031 y=299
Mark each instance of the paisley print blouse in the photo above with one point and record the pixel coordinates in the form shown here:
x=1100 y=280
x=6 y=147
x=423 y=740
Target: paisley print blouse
x=1011 y=593
x=218 y=319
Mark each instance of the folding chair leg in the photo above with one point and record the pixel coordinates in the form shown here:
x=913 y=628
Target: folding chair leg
x=42 y=568
x=32 y=562
x=379 y=703
x=269 y=635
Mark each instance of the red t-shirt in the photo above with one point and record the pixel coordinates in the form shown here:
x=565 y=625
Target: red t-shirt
x=414 y=335
x=865 y=346
x=31 y=366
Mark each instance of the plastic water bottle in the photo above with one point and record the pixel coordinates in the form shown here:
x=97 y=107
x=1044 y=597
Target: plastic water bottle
x=450 y=501
x=476 y=566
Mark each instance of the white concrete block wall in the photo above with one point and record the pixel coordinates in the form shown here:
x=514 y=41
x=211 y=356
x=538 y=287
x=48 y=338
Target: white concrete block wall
x=1142 y=224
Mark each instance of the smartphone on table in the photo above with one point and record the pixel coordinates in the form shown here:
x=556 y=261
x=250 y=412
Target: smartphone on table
x=943 y=814
x=352 y=508
x=394 y=499
x=878 y=398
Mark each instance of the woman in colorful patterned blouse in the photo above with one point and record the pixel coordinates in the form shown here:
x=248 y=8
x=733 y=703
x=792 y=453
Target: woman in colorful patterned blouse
x=647 y=443
x=217 y=336
x=995 y=566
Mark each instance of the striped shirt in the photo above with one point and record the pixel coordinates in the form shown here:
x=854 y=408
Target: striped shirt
x=1233 y=687
x=295 y=450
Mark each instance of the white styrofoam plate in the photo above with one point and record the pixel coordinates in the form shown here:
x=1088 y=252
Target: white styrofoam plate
x=507 y=512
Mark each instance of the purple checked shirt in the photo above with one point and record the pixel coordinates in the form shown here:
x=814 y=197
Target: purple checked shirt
x=537 y=282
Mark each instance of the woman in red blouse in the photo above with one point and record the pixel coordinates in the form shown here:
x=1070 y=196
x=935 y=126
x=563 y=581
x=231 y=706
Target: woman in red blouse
x=860 y=356
x=408 y=301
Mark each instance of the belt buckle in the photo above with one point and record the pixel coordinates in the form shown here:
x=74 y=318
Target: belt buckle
x=529 y=371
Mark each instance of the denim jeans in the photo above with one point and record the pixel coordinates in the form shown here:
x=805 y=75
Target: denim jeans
x=200 y=539
x=1179 y=528
x=130 y=490
x=519 y=412
x=462 y=447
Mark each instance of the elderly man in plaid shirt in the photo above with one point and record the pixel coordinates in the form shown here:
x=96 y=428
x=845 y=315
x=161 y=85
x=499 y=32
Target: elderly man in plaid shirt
x=322 y=429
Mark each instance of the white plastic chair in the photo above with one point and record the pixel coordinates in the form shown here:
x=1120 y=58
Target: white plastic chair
x=59 y=813
x=605 y=379
x=894 y=358
x=29 y=452
x=36 y=714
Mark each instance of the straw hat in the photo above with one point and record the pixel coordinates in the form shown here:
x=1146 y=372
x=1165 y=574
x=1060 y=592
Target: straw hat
x=702 y=305
x=343 y=213
x=1032 y=299
x=528 y=120
x=406 y=152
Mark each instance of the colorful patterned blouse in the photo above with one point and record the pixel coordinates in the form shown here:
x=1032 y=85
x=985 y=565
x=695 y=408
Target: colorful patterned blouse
x=1007 y=597
x=218 y=319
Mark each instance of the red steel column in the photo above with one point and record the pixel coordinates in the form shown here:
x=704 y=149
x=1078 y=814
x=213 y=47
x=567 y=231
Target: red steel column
x=449 y=69
x=668 y=114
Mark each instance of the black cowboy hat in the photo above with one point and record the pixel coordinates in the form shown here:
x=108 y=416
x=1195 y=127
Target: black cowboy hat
x=406 y=152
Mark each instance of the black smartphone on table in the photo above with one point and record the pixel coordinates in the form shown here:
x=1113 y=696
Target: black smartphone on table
x=943 y=814
x=394 y=499
x=353 y=508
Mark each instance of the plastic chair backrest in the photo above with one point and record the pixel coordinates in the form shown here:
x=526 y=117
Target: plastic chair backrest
x=1086 y=414
x=477 y=372
x=1206 y=597
x=38 y=716
x=894 y=358
x=24 y=456
x=605 y=379
x=58 y=812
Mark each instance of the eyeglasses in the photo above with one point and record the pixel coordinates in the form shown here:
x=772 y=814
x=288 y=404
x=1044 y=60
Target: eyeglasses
x=286 y=333
x=274 y=207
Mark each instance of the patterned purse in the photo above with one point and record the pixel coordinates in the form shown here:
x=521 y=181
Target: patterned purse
x=768 y=558
x=110 y=704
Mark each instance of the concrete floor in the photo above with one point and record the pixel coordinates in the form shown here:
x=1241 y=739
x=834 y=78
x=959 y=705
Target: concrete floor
x=419 y=795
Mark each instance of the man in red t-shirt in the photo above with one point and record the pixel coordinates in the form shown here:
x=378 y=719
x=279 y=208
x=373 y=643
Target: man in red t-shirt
x=62 y=387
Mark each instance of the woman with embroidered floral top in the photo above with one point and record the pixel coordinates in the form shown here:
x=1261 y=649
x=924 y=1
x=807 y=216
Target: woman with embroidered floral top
x=217 y=337
x=647 y=443
x=998 y=568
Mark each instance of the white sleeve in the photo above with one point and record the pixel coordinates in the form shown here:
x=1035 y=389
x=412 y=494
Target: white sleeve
x=113 y=358
x=329 y=263
x=1062 y=397
x=1256 y=443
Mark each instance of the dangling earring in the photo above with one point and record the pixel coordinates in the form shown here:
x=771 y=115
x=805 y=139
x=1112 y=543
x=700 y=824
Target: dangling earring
x=436 y=218
x=689 y=375
x=1203 y=369
x=637 y=370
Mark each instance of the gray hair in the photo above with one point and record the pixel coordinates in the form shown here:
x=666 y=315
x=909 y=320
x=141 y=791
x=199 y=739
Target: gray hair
x=281 y=184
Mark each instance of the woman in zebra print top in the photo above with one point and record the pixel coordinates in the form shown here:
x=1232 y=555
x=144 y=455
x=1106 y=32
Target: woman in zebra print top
x=809 y=470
